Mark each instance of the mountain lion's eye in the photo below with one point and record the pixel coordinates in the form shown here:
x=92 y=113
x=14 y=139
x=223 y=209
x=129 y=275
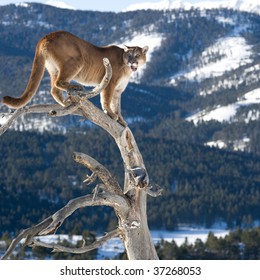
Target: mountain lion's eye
x=137 y=55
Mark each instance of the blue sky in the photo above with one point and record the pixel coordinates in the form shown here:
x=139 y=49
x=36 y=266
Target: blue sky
x=99 y=5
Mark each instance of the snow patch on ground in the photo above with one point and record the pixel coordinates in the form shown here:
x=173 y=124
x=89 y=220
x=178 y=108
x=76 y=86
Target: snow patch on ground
x=22 y=4
x=241 y=144
x=238 y=145
x=221 y=114
x=217 y=144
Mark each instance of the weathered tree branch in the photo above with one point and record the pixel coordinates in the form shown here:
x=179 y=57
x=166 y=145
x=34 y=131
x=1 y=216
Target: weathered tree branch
x=90 y=179
x=115 y=201
x=153 y=193
x=103 y=174
x=45 y=108
x=81 y=250
x=27 y=234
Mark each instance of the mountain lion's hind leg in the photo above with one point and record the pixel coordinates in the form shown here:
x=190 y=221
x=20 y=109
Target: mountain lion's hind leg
x=56 y=92
x=68 y=71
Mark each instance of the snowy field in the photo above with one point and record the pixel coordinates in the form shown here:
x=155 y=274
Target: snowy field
x=115 y=246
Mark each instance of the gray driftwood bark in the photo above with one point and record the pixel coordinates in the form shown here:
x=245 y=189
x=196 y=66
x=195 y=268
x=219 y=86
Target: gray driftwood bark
x=128 y=201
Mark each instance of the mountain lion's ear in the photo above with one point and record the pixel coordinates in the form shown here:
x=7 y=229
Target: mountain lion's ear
x=145 y=49
x=126 y=48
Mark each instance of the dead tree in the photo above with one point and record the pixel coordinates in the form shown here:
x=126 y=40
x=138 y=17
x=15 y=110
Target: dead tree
x=128 y=202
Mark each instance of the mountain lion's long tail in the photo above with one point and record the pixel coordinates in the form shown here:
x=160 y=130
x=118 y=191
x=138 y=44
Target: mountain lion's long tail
x=32 y=86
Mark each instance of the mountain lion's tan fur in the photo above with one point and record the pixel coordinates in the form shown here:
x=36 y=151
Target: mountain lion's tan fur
x=68 y=58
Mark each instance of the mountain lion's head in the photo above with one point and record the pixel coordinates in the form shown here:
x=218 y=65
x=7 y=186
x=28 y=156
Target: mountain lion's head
x=135 y=57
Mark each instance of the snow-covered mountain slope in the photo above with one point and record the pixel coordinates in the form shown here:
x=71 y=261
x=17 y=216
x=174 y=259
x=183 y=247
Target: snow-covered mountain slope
x=230 y=53
x=251 y=6
x=229 y=112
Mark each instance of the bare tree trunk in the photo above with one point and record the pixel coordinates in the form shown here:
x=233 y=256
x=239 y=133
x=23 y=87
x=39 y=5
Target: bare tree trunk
x=137 y=240
x=128 y=202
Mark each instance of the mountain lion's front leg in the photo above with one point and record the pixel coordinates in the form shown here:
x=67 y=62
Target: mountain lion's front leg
x=116 y=107
x=106 y=102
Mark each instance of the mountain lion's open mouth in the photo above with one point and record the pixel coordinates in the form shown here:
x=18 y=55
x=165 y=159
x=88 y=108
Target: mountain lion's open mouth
x=133 y=67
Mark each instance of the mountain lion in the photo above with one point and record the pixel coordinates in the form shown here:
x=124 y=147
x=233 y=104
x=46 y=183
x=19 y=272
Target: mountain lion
x=68 y=58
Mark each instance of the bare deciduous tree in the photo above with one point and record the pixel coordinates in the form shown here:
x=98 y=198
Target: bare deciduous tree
x=128 y=202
